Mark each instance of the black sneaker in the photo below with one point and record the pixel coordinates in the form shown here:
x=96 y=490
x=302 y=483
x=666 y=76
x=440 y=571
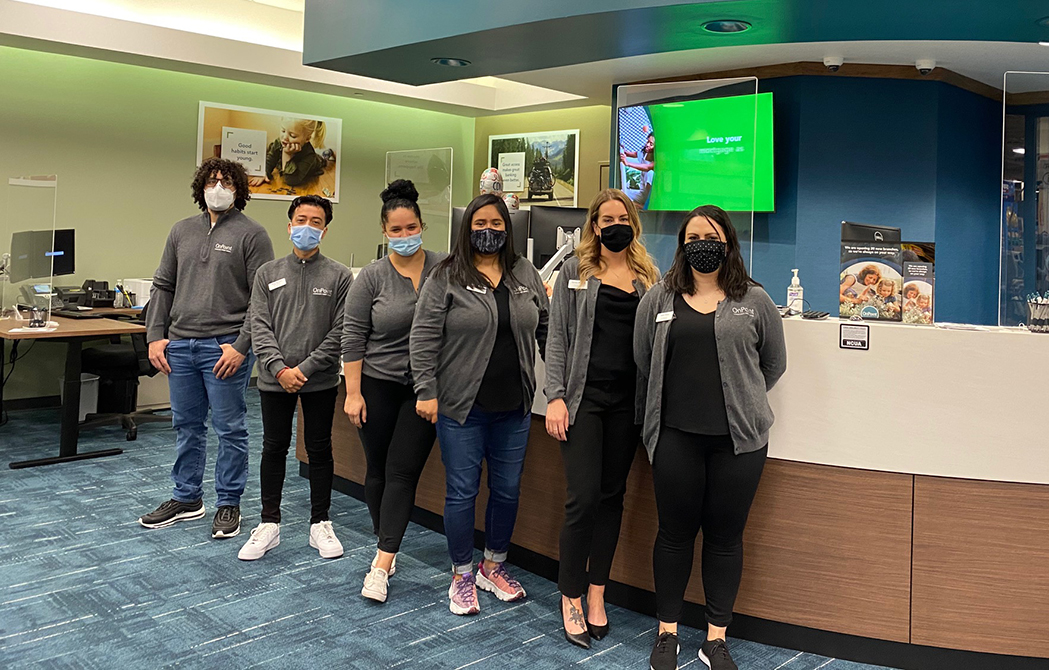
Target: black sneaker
x=227 y=522
x=664 y=654
x=715 y=654
x=172 y=511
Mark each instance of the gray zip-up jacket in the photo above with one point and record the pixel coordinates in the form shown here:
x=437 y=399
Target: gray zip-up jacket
x=571 y=336
x=202 y=287
x=752 y=355
x=454 y=332
x=379 y=312
x=296 y=311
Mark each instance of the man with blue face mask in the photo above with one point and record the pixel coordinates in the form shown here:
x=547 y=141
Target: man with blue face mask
x=297 y=309
x=199 y=332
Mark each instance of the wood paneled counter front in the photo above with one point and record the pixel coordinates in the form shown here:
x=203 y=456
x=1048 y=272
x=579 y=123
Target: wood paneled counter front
x=898 y=556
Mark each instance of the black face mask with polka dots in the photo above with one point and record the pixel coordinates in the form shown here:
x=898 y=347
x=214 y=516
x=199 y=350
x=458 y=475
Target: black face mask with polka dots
x=705 y=256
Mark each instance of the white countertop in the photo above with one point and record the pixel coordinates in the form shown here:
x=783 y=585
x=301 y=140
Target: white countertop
x=971 y=404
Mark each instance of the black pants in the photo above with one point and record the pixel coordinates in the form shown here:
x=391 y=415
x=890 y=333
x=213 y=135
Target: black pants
x=397 y=442
x=700 y=482
x=278 y=412
x=597 y=457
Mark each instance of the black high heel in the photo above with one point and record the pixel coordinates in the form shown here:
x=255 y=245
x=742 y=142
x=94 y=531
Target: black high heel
x=578 y=639
x=597 y=632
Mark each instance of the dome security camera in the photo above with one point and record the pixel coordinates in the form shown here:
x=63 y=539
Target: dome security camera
x=833 y=63
x=925 y=65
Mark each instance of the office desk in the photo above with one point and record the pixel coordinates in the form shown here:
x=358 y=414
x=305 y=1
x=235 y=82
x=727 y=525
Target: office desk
x=73 y=332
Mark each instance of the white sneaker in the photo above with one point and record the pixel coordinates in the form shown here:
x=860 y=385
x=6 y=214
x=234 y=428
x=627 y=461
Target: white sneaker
x=375 y=585
x=393 y=566
x=264 y=537
x=322 y=538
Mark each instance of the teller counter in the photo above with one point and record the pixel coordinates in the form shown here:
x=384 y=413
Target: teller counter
x=903 y=512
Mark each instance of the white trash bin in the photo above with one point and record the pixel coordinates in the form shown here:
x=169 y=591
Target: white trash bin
x=88 y=393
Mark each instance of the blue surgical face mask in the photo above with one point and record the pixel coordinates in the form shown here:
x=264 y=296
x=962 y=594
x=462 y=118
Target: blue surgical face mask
x=306 y=238
x=406 y=246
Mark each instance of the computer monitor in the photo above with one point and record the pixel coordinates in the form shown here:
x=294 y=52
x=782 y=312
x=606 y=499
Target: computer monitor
x=519 y=222
x=864 y=232
x=32 y=254
x=544 y=224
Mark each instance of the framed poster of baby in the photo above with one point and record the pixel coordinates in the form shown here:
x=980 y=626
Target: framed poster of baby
x=286 y=154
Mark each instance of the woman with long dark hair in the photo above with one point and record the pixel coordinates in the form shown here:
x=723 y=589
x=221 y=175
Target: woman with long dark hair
x=479 y=318
x=380 y=398
x=591 y=389
x=709 y=343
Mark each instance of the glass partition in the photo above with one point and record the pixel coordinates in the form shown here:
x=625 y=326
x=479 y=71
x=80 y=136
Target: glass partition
x=431 y=172
x=1025 y=199
x=686 y=144
x=28 y=252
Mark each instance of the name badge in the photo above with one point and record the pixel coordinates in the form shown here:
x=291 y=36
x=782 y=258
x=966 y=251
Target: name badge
x=477 y=289
x=576 y=285
x=664 y=316
x=521 y=290
x=277 y=284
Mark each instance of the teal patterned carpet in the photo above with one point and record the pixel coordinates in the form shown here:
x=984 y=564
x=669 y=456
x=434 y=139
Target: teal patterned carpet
x=82 y=585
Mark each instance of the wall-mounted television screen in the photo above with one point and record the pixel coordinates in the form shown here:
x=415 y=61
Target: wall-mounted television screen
x=677 y=155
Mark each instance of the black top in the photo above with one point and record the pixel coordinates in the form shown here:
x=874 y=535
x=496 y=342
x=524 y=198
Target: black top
x=612 y=343
x=693 y=393
x=501 y=386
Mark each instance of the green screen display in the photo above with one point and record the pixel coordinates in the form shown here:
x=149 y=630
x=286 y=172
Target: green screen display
x=677 y=156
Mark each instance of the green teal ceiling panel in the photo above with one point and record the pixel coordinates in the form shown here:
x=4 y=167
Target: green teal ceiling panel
x=396 y=40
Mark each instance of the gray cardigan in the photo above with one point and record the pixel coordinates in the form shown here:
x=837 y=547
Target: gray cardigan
x=379 y=312
x=752 y=353
x=454 y=332
x=202 y=287
x=296 y=312
x=571 y=335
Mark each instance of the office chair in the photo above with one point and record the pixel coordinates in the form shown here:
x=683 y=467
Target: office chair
x=119 y=365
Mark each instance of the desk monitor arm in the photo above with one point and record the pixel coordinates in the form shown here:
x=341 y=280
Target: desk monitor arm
x=567 y=243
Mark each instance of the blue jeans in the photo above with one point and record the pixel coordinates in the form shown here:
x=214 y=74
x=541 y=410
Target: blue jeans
x=194 y=390
x=500 y=438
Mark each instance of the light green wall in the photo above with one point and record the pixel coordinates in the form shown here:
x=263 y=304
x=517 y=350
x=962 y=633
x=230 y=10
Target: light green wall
x=122 y=139
x=594 y=125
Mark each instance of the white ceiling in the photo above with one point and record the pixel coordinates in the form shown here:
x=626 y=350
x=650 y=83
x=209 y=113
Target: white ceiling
x=983 y=61
x=263 y=38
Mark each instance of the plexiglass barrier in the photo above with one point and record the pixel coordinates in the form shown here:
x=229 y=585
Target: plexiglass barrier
x=28 y=251
x=431 y=172
x=1025 y=198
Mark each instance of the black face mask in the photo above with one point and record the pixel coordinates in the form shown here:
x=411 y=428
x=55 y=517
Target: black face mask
x=705 y=256
x=617 y=237
x=487 y=241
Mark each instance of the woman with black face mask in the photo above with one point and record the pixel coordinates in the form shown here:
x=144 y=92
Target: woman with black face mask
x=472 y=346
x=709 y=343
x=591 y=383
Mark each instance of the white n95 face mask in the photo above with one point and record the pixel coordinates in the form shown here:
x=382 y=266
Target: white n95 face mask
x=218 y=199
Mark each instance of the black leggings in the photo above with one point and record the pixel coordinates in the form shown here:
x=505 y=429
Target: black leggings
x=397 y=442
x=597 y=457
x=700 y=482
x=278 y=412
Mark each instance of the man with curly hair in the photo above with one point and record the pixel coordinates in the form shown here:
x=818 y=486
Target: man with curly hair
x=199 y=335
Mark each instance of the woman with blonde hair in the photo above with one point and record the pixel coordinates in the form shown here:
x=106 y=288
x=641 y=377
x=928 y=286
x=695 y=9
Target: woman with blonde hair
x=593 y=410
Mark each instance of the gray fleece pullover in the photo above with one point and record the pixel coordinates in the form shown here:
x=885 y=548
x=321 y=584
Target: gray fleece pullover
x=379 y=312
x=752 y=355
x=296 y=310
x=202 y=288
x=454 y=332
x=571 y=337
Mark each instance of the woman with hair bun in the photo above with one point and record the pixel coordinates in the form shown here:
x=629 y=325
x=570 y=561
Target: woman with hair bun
x=380 y=399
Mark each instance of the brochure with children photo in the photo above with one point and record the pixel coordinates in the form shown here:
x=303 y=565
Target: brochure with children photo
x=871 y=281
x=919 y=282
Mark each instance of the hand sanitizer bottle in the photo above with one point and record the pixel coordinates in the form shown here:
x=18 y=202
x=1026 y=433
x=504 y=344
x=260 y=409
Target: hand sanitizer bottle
x=795 y=295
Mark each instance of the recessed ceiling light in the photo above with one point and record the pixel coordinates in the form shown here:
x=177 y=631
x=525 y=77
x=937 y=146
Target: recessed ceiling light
x=723 y=26
x=1020 y=150
x=451 y=62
